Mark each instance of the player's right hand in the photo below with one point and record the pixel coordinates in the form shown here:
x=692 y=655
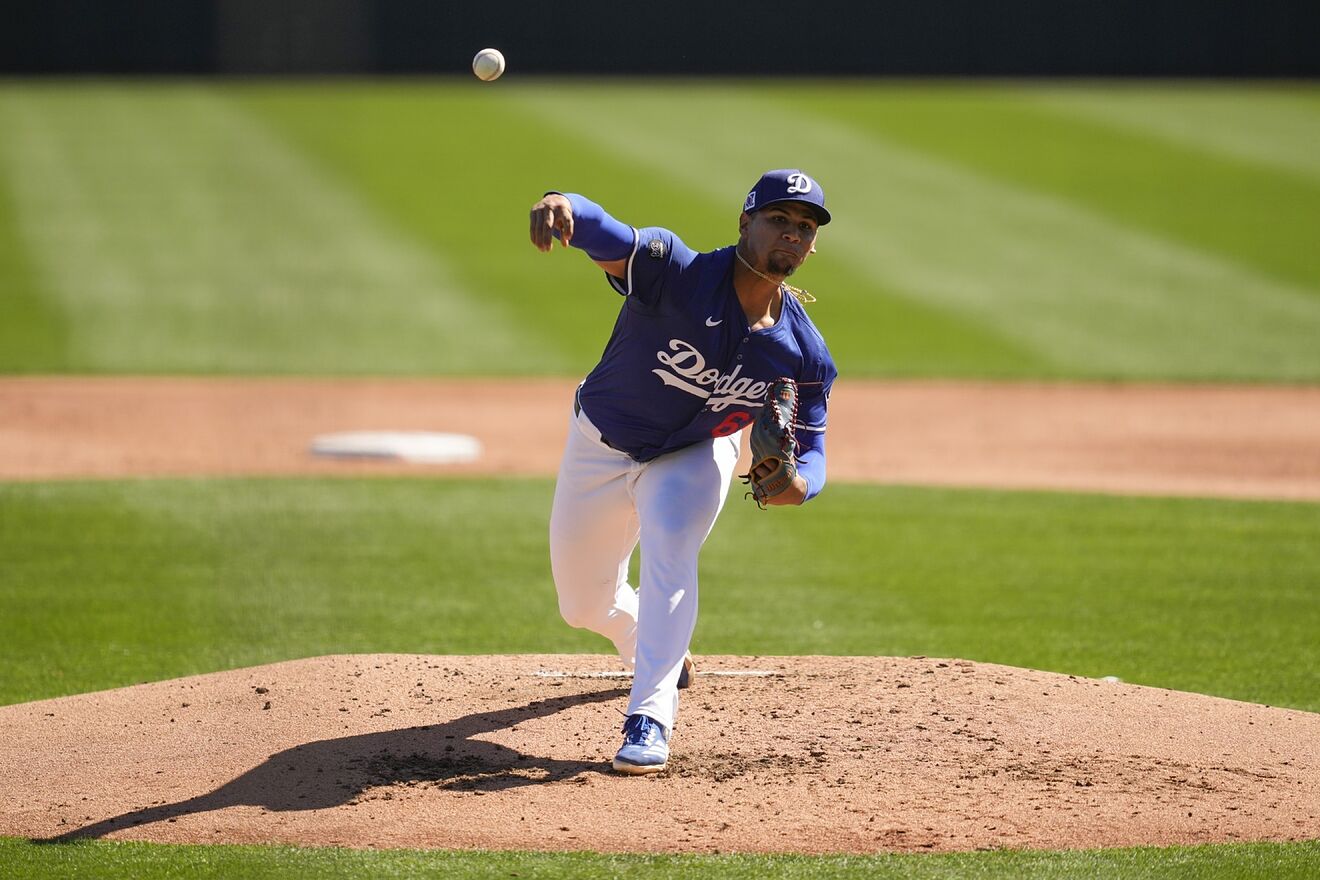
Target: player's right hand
x=553 y=212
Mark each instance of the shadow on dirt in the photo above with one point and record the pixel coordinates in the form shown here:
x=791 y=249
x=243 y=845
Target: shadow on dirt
x=333 y=772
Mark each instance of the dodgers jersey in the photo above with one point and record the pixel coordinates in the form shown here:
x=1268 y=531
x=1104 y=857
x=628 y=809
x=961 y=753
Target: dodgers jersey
x=682 y=365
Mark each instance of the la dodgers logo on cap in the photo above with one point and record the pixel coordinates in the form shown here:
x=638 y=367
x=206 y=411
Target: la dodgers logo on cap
x=788 y=185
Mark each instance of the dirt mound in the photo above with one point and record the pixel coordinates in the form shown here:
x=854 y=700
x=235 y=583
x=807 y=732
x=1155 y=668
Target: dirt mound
x=803 y=754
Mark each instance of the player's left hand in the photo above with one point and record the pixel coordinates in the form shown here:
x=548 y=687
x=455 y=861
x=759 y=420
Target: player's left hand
x=773 y=476
x=552 y=212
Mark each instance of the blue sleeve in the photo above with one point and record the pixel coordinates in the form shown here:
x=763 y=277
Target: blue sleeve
x=596 y=232
x=811 y=463
x=812 y=406
x=656 y=257
x=658 y=273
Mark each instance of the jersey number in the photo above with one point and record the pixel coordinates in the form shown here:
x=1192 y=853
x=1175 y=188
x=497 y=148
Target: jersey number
x=732 y=425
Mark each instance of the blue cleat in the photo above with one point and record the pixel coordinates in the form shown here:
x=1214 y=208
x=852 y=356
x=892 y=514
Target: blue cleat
x=645 y=746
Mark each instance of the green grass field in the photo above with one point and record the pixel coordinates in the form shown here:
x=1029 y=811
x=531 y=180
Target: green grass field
x=1025 y=231
x=135 y=860
x=113 y=583
x=1016 y=231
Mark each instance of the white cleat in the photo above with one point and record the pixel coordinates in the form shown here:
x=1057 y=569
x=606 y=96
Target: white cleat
x=645 y=747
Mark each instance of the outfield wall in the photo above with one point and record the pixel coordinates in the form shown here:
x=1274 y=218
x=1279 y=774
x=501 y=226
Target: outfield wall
x=1005 y=38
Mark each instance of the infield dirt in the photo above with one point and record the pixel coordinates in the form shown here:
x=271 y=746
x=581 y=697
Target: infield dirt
x=1231 y=441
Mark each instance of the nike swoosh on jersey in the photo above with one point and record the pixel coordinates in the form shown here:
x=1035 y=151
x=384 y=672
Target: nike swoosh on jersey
x=713 y=323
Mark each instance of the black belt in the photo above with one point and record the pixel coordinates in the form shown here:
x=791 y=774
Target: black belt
x=577 y=411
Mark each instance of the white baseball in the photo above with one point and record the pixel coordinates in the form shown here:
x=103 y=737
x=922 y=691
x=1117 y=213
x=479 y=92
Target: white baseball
x=488 y=64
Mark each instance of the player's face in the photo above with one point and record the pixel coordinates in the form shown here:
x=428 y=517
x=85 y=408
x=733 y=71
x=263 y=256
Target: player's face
x=778 y=238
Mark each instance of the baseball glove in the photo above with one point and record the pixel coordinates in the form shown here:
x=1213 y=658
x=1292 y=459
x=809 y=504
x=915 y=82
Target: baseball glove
x=774 y=443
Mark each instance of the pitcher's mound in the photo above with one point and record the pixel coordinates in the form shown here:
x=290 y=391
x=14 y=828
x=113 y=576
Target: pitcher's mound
x=803 y=754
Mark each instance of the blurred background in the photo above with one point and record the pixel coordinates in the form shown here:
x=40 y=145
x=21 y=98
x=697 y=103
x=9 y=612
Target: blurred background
x=1183 y=38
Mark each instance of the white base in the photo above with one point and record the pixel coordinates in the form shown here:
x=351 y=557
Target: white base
x=419 y=447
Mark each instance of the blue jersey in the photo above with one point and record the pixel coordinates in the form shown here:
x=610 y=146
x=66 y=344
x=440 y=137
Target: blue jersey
x=682 y=364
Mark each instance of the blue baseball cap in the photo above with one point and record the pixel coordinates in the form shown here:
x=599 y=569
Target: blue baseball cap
x=788 y=185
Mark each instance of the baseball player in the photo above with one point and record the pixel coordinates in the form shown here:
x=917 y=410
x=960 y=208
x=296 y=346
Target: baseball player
x=701 y=341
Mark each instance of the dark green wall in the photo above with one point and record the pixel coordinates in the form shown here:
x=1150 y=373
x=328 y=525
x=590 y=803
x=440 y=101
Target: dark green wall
x=1185 y=38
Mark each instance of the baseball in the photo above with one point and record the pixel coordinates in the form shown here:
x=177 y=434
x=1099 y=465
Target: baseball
x=488 y=64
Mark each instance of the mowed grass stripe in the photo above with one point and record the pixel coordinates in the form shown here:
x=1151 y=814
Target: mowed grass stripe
x=180 y=236
x=1086 y=295
x=456 y=166
x=1276 y=127
x=1083 y=294
x=197 y=576
x=111 y=583
x=1191 y=191
x=144 y=861
x=33 y=331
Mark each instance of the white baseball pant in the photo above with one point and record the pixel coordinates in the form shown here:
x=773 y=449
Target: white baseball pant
x=605 y=503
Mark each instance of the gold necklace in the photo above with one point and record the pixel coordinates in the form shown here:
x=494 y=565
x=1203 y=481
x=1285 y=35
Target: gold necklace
x=801 y=295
